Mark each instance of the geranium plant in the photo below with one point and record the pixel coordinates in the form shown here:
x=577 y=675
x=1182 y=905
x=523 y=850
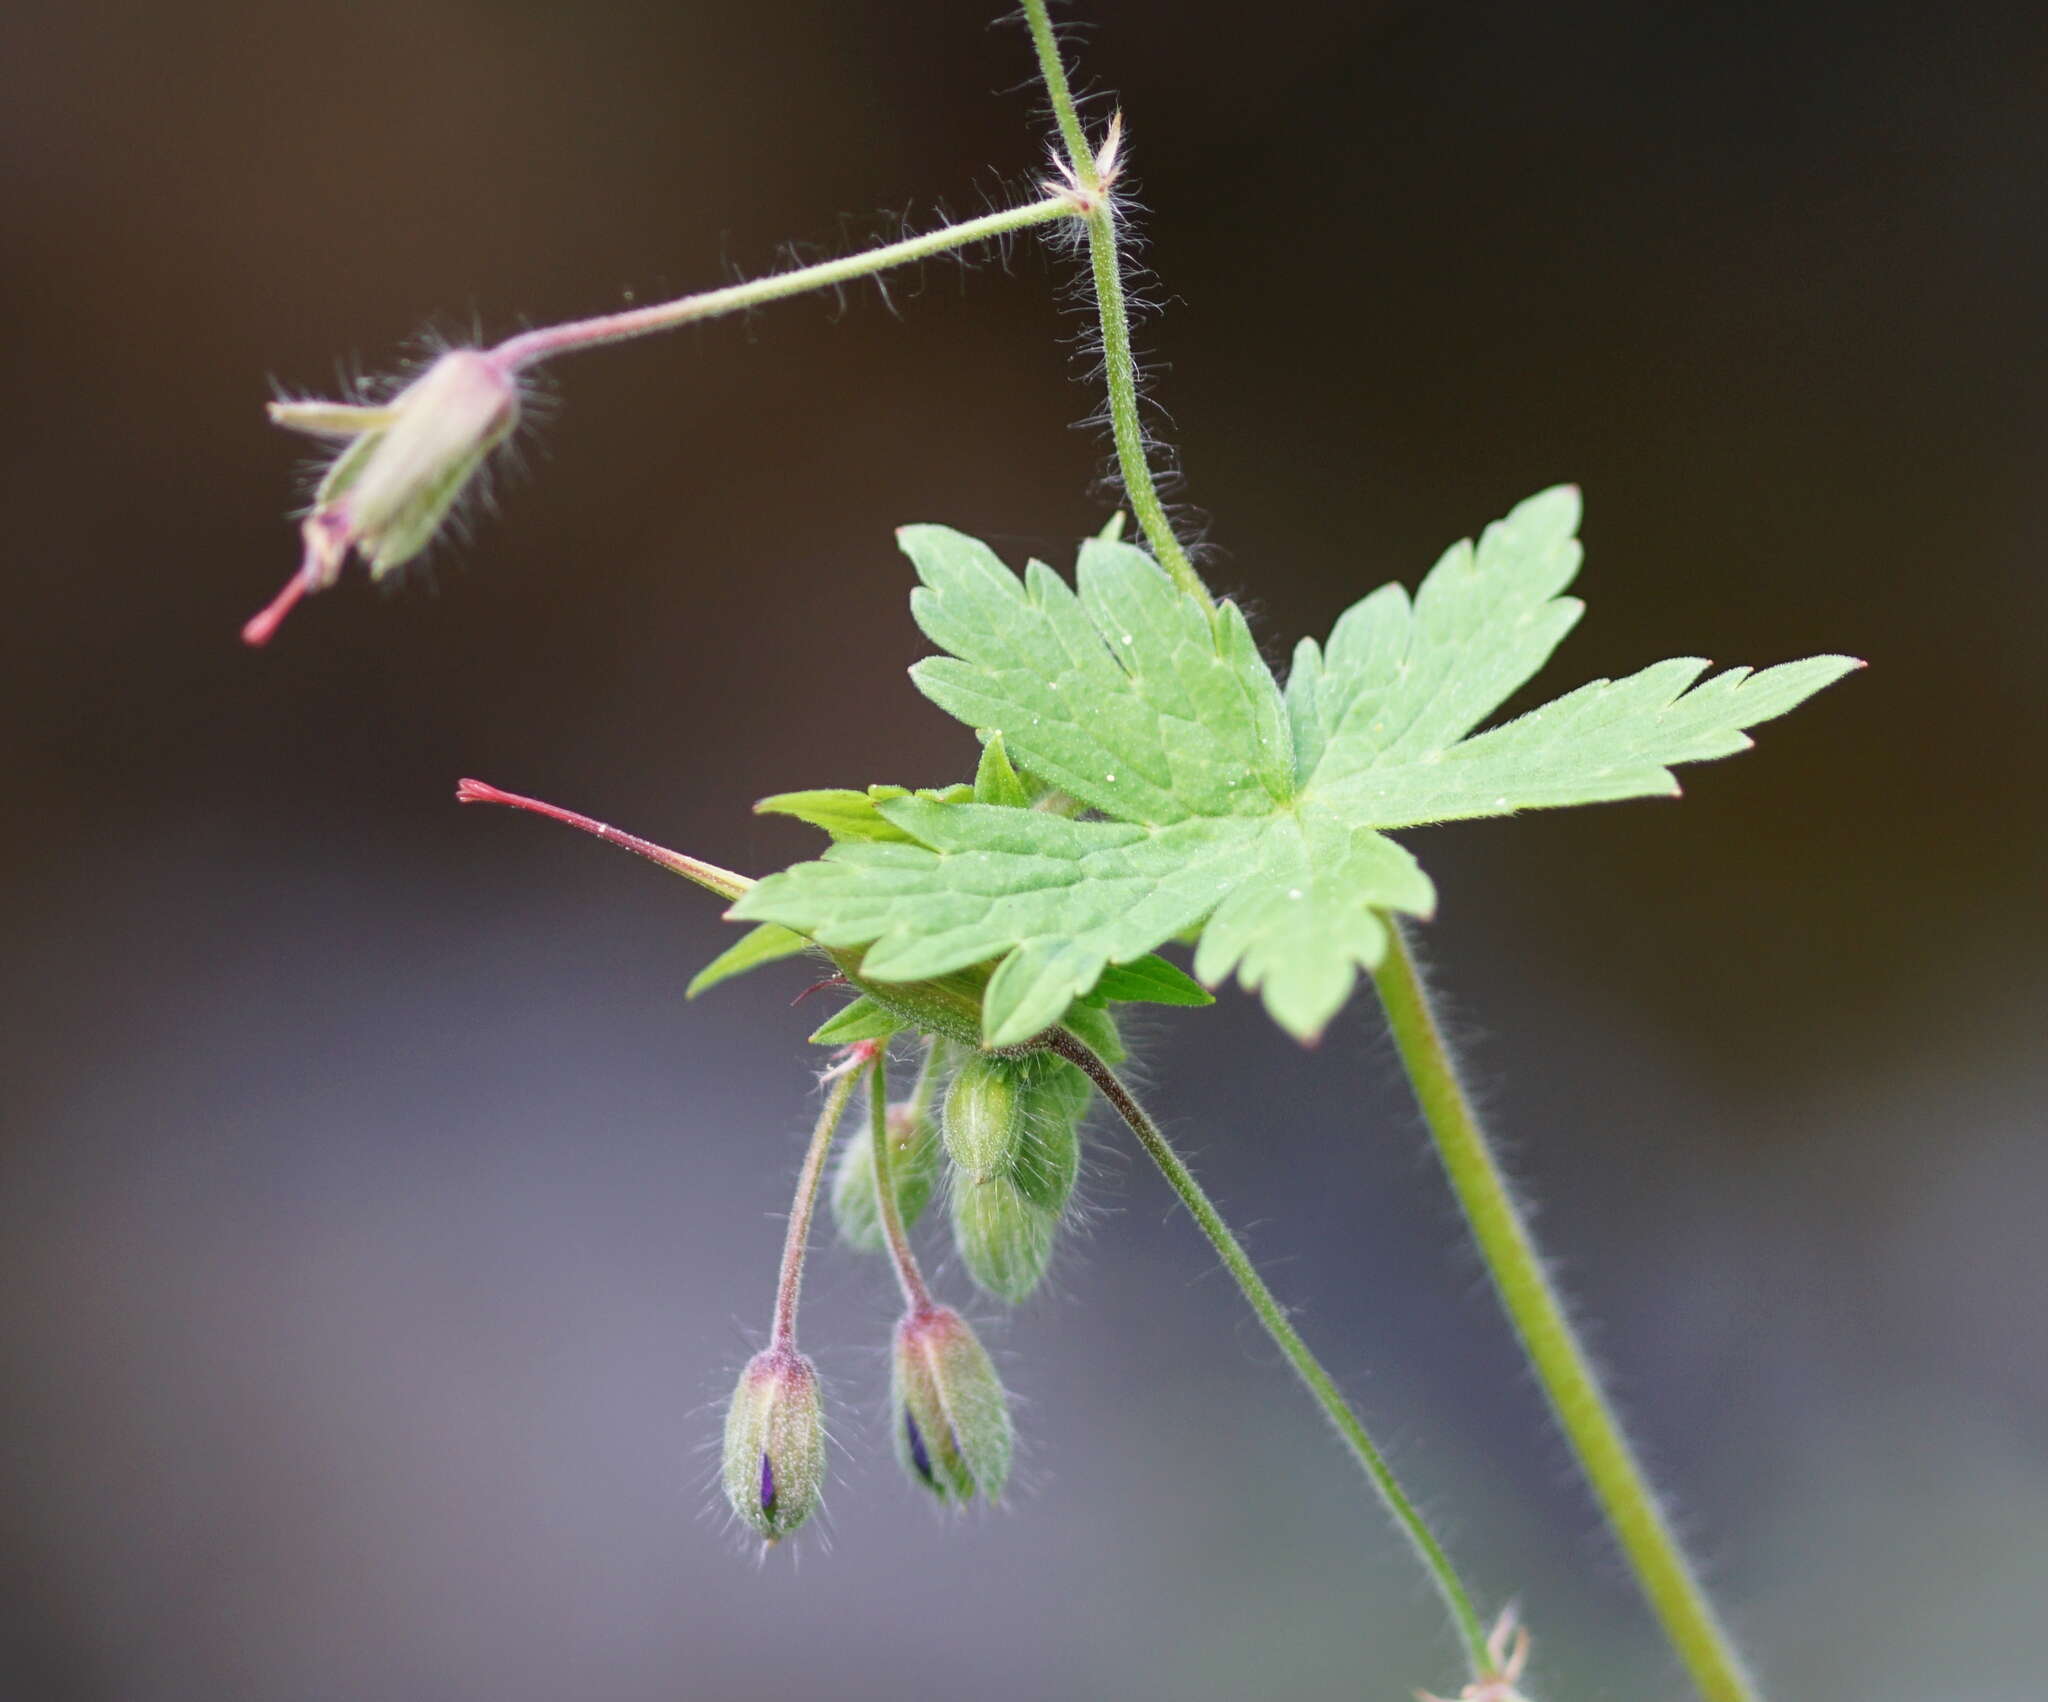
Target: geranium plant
x=1146 y=783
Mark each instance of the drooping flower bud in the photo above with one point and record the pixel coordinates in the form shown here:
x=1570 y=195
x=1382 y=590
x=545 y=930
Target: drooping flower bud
x=1003 y=1235
x=1048 y=1160
x=403 y=466
x=774 y=1470
x=985 y=1114
x=951 y=1416
x=913 y=1172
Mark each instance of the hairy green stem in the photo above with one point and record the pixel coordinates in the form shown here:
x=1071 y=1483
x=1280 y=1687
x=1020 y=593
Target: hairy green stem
x=908 y=1277
x=1271 y=1314
x=1560 y=1361
x=531 y=347
x=1120 y=368
x=926 y=1087
x=794 y=1244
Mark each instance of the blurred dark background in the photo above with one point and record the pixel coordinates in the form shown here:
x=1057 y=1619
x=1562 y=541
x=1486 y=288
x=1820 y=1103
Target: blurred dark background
x=382 y=1232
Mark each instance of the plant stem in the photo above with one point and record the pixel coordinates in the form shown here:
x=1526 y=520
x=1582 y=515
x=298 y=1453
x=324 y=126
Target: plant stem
x=1307 y=1367
x=531 y=347
x=908 y=1277
x=1561 y=1363
x=1120 y=369
x=926 y=1087
x=799 y=1236
x=707 y=875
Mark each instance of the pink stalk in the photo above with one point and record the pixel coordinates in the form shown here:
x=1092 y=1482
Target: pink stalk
x=707 y=875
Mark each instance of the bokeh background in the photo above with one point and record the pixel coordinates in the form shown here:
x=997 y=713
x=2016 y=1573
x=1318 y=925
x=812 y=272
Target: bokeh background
x=381 y=1230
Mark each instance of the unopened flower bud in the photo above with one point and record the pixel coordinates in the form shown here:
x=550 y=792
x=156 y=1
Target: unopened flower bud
x=775 y=1443
x=952 y=1418
x=1003 y=1235
x=1048 y=1159
x=405 y=463
x=913 y=1171
x=985 y=1114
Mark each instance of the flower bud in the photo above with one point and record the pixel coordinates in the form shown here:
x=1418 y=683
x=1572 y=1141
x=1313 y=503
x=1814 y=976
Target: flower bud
x=952 y=1418
x=1048 y=1159
x=400 y=471
x=397 y=493
x=1003 y=1235
x=913 y=1171
x=775 y=1443
x=985 y=1114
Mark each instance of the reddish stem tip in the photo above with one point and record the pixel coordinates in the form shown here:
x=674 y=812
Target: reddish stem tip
x=481 y=792
x=257 y=629
x=713 y=879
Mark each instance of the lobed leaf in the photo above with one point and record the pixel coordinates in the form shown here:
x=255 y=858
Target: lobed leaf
x=1117 y=691
x=1609 y=740
x=1238 y=816
x=1057 y=900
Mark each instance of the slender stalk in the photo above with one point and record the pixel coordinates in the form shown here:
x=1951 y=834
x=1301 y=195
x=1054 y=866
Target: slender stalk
x=916 y=1295
x=1347 y=1424
x=1560 y=1361
x=531 y=347
x=805 y=1204
x=707 y=875
x=1120 y=369
x=926 y=1088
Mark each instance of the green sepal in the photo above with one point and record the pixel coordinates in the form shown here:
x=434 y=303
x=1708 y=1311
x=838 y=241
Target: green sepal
x=995 y=781
x=838 y=811
x=412 y=528
x=855 y=817
x=333 y=419
x=1152 y=980
x=769 y=943
x=864 y=1019
x=1096 y=1029
x=346 y=468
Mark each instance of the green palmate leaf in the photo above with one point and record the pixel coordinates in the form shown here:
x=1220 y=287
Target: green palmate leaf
x=767 y=943
x=1608 y=740
x=1252 y=819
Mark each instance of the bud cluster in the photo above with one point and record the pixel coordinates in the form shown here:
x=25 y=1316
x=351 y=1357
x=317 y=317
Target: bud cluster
x=949 y=1414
